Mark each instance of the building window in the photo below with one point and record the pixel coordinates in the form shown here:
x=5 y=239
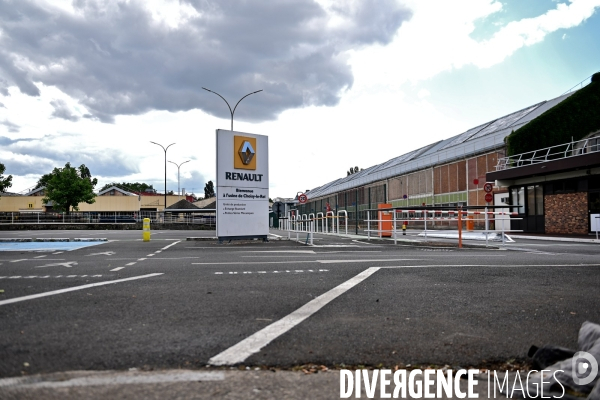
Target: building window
x=518 y=199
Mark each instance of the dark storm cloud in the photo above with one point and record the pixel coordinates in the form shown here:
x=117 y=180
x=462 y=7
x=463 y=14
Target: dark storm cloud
x=62 y=110
x=48 y=155
x=114 y=59
x=10 y=126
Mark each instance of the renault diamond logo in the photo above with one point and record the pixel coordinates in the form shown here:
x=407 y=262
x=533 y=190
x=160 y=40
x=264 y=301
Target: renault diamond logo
x=246 y=149
x=246 y=152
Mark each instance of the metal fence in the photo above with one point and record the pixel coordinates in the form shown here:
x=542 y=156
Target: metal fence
x=203 y=217
x=565 y=150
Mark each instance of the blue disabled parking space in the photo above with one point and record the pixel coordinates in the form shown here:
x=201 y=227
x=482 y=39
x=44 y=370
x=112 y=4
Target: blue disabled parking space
x=45 y=246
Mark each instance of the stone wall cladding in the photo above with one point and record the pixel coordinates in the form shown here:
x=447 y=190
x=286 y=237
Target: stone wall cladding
x=566 y=213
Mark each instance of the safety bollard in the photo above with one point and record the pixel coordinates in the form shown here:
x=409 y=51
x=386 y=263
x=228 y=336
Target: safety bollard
x=146 y=230
x=404 y=228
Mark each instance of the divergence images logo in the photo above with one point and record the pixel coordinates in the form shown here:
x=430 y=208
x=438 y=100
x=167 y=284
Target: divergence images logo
x=585 y=368
x=245 y=147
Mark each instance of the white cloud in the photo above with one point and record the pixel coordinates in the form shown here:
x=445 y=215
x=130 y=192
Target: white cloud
x=438 y=38
x=387 y=111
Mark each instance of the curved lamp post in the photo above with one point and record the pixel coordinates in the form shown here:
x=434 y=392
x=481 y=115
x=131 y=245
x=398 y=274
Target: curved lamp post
x=178 y=166
x=165 y=166
x=236 y=104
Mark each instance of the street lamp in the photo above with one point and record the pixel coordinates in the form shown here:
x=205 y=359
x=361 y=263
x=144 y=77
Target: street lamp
x=178 y=166
x=165 y=166
x=236 y=104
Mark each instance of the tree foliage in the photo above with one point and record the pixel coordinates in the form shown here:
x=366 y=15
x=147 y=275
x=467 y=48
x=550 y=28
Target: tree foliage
x=572 y=119
x=5 y=182
x=209 y=190
x=135 y=187
x=67 y=187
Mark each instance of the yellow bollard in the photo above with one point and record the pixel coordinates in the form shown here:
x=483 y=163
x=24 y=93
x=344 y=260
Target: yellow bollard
x=146 y=230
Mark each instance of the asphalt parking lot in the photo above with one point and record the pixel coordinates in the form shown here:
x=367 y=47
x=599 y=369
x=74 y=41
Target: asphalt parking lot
x=173 y=303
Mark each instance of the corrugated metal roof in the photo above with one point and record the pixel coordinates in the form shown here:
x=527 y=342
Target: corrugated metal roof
x=483 y=138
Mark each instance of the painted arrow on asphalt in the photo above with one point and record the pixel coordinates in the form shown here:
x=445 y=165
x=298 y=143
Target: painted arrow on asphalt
x=67 y=264
x=106 y=253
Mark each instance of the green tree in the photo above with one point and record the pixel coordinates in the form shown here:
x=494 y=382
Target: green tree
x=209 y=190
x=43 y=181
x=5 y=182
x=69 y=186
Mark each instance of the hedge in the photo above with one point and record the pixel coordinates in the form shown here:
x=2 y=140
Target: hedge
x=575 y=117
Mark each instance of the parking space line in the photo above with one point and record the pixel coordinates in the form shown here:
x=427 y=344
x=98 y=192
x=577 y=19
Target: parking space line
x=311 y=261
x=254 y=343
x=117 y=269
x=295 y=271
x=72 y=289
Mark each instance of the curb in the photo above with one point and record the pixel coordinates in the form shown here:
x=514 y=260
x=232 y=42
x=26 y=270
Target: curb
x=556 y=239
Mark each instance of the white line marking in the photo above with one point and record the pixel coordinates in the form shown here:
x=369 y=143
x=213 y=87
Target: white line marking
x=283 y=251
x=40 y=257
x=297 y=271
x=19 y=260
x=312 y=261
x=67 y=264
x=58 y=252
x=72 y=289
x=172 y=244
x=258 y=262
x=491 y=266
x=253 y=344
x=131 y=263
x=372 y=260
x=141 y=259
x=46 y=276
x=150 y=255
x=117 y=269
x=146 y=378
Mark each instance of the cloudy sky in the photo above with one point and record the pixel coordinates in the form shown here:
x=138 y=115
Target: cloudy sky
x=345 y=82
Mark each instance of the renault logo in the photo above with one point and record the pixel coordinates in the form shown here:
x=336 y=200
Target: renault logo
x=246 y=152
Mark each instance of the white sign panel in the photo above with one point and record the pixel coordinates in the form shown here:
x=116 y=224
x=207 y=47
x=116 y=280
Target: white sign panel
x=242 y=185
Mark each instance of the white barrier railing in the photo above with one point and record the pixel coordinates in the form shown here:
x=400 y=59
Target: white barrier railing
x=322 y=219
x=345 y=219
x=327 y=216
x=424 y=219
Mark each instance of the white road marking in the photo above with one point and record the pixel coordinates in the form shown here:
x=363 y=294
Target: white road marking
x=106 y=253
x=312 y=261
x=283 y=251
x=13 y=261
x=131 y=263
x=117 y=269
x=58 y=252
x=141 y=259
x=372 y=260
x=296 y=271
x=257 y=262
x=150 y=255
x=491 y=266
x=122 y=379
x=172 y=244
x=40 y=257
x=67 y=264
x=254 y=343
x=72 y=289
x=48 y=276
